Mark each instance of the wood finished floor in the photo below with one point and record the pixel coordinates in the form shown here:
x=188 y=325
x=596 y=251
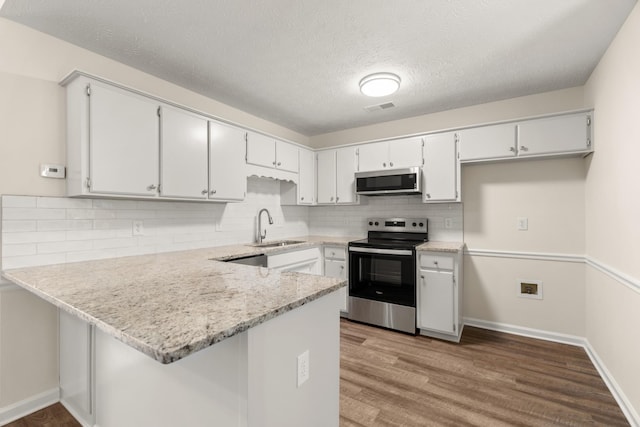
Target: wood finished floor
x=488 y=379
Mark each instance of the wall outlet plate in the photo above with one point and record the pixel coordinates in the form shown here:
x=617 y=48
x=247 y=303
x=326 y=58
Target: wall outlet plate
x=138 y=228
x=523 y=223
x=303 y=368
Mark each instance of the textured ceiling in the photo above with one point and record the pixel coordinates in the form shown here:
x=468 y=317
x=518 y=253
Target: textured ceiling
x=298 y=62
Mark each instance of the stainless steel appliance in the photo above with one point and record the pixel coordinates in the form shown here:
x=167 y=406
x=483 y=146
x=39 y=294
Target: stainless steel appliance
x=389 y=182
x=382 y=273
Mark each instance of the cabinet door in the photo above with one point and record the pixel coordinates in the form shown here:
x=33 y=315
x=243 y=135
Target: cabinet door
x=488 y=142
x=261 y=150
x=123 y=143
x=183 y=154
x=306 y=177
x=373 y=156
x=335 y=268
x=440 y=171
x=326 y=177
x=554 y=135
x=227 y=176
x=345 y=175
x=405 y=153
x=436 y=301
x=286 y=156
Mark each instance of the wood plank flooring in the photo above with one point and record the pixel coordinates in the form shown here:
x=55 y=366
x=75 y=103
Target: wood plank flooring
x=488 y=379
x=52 y=416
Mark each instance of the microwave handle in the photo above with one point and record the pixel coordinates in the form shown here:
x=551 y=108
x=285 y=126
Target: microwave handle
x=405 y=252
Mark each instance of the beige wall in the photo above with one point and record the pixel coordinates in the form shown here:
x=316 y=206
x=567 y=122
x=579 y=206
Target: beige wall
x=613 y=209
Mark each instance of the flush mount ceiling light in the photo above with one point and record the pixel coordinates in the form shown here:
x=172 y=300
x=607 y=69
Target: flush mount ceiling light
x=379 y=84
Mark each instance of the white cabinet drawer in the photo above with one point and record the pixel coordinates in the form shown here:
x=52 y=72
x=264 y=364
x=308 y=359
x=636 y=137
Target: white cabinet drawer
x=441 y=262
x=335 y=252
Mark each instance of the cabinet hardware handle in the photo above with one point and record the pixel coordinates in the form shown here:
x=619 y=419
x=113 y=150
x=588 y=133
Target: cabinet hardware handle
x=151 y=187
x=523 y=148
x=391 y=164
x=435 y=262
x=279 y=163
x=213 y=192
x=422 y=277
x=512 y=149
x=302 y=198
x=331 y=199
x=428 y=196
x=384 y=165
x=273 y=163
x=204 y=192
x=342 y=267
x=337 y=198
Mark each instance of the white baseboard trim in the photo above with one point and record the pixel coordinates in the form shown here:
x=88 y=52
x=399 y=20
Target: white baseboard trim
x=623 y=402
x=526 y=332
x=29 y=406
x=621 y=399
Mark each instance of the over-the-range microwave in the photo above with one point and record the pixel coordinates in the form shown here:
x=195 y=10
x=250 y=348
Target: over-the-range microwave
x=389 y=182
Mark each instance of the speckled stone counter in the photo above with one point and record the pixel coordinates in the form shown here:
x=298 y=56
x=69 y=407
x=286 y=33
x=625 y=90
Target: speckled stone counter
x=172 y=304
x=454 y=247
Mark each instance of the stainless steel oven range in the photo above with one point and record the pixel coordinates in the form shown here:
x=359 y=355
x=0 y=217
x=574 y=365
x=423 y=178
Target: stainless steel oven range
x=382 y=273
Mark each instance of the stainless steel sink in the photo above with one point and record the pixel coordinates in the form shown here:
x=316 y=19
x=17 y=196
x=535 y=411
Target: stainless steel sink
x=279 y=243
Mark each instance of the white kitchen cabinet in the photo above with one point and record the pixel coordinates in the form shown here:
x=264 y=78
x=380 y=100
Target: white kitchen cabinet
x=336 y=176
x=112 y=141
x=183 y=154
x=307 y=177
x=395 y=154
x=553 y=135
x=227 y=176
x=441 y=170
x=439 y=293
x=335 y=265
x=301 y=261
x=271 y=153
x=77 y=381
x=488 y=142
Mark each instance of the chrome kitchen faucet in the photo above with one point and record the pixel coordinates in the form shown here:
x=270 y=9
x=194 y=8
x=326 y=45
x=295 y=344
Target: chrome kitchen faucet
x=261 y=236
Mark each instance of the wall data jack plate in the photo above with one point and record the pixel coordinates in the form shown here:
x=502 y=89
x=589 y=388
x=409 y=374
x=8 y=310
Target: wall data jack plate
x=530 y=289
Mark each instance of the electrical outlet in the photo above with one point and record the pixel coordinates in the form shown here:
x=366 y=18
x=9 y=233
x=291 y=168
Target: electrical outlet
x=303 y=368
x=138 y=228
x=523 y=223
x=448 y=223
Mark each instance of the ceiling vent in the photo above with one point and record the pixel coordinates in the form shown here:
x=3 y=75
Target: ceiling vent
x=383 y=106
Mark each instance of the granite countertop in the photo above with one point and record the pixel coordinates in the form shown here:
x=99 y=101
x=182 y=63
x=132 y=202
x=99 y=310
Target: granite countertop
x=453 y=247
x=172 y=304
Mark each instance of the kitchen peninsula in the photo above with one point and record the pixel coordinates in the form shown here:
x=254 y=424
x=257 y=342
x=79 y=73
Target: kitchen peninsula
x=181 y=338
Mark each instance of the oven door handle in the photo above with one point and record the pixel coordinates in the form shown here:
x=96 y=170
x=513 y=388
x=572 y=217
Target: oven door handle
x=401 y=252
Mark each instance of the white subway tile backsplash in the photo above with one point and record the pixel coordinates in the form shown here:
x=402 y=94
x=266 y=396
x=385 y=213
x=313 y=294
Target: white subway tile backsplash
x=9 y=262
x=58 y=224
x=32 y=237
x=63 y=202
x=19 y=202
x=20 y=249
x=31 y=213
x=17 y=226
x=64 y=247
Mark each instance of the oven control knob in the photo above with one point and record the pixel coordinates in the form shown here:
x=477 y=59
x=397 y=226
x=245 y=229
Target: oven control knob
x=421 y=224
x=414 y=224
x=370 y=222
x=377 y=223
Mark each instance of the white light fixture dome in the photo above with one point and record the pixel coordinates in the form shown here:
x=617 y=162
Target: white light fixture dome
x=379 y=84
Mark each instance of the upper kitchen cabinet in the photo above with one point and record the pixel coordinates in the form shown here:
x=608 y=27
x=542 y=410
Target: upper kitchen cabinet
x=553 y=135
x=304 y=193
x=112 y=141
x=227 y=176
x=488 y=142
x=336 y=176
x=183 y=154
x=441 y=171
x=396 y=154
x=271 y=153
x=566 y=134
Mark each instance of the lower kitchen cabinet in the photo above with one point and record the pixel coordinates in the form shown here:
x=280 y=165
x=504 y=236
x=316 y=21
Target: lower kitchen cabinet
x=439 y=295
x=300 y=261
x=335 y=265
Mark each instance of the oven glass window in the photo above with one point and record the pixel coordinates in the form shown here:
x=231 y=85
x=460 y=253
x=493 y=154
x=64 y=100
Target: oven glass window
x=386 y=278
